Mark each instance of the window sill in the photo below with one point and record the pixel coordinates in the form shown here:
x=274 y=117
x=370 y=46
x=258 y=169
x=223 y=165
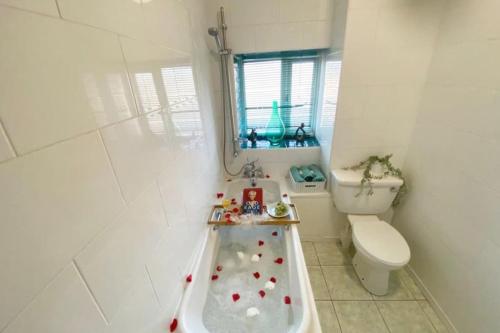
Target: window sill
x=285 y=144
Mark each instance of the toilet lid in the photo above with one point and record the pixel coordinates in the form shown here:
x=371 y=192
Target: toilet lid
x=380 y=241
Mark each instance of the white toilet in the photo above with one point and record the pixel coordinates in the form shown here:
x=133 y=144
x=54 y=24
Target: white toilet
x=379 y=247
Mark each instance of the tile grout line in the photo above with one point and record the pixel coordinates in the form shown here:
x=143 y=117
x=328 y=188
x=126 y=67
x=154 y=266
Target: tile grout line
x=382 y=316
x=115 y=176
x=77 y=135
x=162 y=203
x=153 y=286
x=58 y=9
x=10 y=143
x=32 y=300
x=94 y=299
x=60 y=17
x=327 y=288
x=129 y=76
x=426 y=315
x=316 y=254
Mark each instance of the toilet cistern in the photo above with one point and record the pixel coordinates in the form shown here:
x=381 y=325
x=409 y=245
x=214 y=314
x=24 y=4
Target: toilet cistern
x=380 y=248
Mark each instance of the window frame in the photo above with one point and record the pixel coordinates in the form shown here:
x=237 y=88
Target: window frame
x=288 y=58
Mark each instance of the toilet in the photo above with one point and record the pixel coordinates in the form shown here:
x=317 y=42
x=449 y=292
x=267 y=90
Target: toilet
x=380 y=248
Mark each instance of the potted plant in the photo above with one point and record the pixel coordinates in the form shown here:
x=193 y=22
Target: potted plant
x=376 y=167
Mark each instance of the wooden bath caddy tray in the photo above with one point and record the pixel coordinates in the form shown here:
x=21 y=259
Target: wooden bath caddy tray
x=291 y=218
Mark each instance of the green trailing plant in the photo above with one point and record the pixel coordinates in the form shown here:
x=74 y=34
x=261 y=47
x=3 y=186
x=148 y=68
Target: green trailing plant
x=388 y=170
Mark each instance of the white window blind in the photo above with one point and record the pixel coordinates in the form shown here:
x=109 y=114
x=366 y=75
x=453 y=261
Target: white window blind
x=330 y=93
x=289 y=78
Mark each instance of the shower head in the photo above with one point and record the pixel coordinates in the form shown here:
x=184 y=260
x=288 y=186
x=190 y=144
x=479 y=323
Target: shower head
x=214 y=32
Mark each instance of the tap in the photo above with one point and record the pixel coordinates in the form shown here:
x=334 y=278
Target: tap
x=253 y=172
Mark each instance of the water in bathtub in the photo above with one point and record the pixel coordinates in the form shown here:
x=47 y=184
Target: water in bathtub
x=249 y=290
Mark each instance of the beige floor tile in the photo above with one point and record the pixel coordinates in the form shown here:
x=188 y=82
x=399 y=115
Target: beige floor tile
x=318 y=283
x=327 y=317
x=431 y=314
x=405 y=317
x=398 y=290
x=411 y=284
x=359 y=317
x=343 y=284
x=331 y=253
x=310 y=254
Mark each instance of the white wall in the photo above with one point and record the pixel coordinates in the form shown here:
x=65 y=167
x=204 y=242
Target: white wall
x=103 y=187
x=275 y=25
x=452 y=215
x=387 y=49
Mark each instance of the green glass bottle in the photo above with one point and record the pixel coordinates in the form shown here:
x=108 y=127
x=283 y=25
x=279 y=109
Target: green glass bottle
x=275 y=129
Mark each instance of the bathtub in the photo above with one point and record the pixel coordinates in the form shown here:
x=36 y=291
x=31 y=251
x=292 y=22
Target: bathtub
x=303 y=309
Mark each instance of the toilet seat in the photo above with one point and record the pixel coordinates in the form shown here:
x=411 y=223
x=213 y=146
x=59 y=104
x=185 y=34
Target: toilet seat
x=380 y=242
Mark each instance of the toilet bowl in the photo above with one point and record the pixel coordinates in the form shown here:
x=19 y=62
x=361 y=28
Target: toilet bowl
x=380 y=249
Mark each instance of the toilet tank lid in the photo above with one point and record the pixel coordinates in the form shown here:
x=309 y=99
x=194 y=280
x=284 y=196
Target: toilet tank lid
x=353 y=178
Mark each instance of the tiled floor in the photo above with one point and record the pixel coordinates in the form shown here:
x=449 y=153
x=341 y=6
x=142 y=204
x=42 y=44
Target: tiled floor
x=344 y=305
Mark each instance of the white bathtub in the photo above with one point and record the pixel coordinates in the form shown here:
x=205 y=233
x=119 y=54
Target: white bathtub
x=305 y=318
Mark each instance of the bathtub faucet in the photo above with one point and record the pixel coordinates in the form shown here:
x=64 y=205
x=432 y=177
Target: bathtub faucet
x=253 y=172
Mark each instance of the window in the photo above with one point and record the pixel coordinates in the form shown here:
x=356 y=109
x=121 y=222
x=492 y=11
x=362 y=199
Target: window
x=290 y=78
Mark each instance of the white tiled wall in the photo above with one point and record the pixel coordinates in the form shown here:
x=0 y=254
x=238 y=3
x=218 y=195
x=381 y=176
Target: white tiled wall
x=452 y=216
x=102 y=178
x=275 y=25
x=387 y=50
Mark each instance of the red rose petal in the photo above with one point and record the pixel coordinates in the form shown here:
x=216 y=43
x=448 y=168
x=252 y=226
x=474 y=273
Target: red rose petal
x=236 y=210
x=220 y=195
x=279 y=261
x=189 y=278
x=262 y=293
x=287 y=300
x=285 y=195
x=260 y=255
x=261 y=243
x=267 y=176
x=227 y=215
x=215 y=277
x=256 y=275
x=275 y=233
x=219 y=268
x=236 y=297
x=272 y=279
x=173 y=325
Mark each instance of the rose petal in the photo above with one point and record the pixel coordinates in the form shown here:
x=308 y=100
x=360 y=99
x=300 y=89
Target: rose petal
x=220 y=195
x=236 y=210
x=287 y=300
x=227 y=215
x=215 y=277
x=261 y=243
x=272 y=279
x=260 y=255
x=189 y=278
x=256 y=275
x=262 y=293
x=275 y=233
x=279 y=261
x=173 y=325
x=285 y=195
x=219 y=268
x=267 y=176
x=236 y=297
